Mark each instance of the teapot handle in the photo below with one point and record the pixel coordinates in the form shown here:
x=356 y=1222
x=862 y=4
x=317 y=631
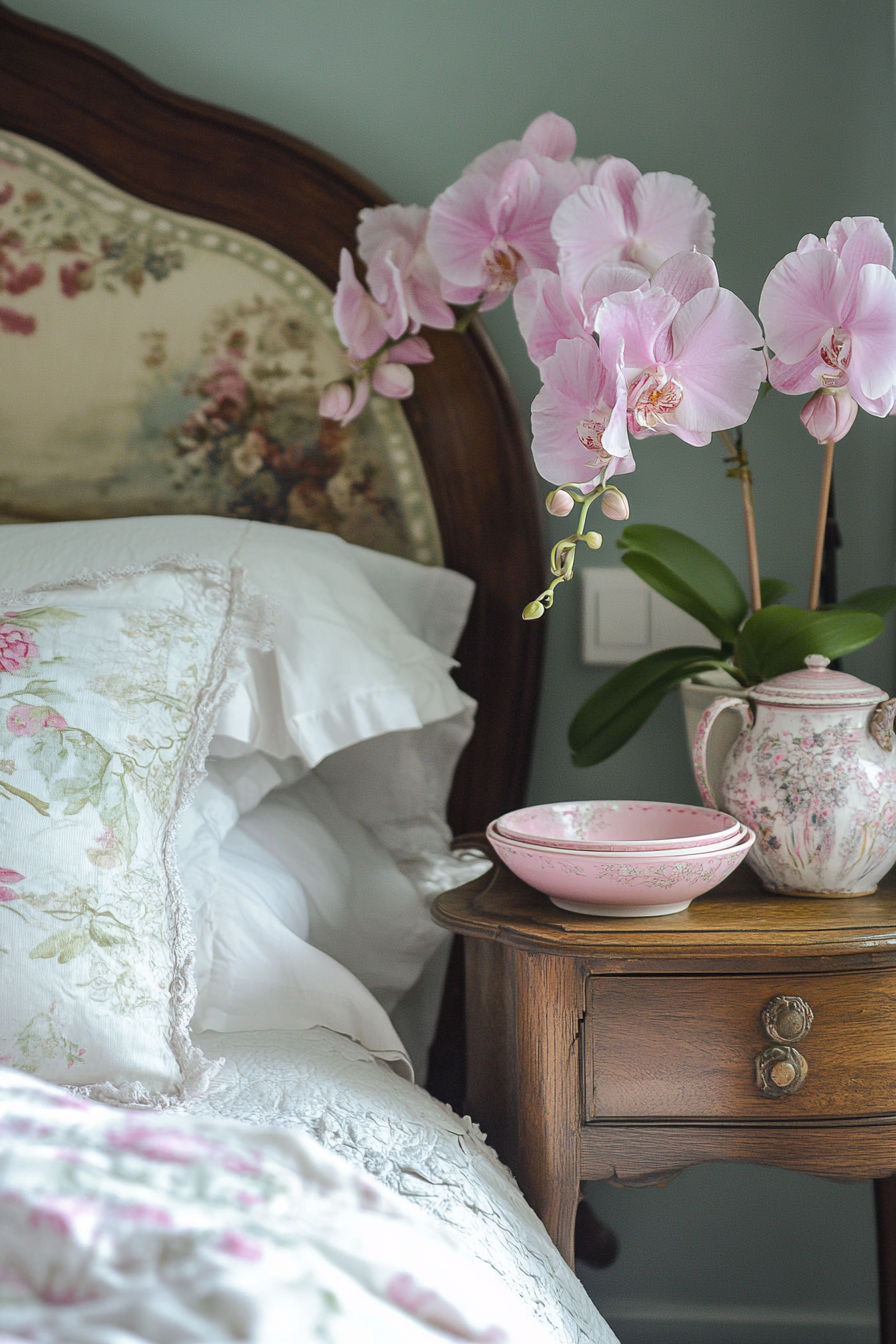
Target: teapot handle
x=701 y=740
x=882 y=724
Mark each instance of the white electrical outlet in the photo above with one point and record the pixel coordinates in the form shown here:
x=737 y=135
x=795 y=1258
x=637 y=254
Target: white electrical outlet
x=623 y=619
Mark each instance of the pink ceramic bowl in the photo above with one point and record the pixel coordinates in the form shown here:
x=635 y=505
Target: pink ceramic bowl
x=613 y=825
x=597 y=851
x=619 y=884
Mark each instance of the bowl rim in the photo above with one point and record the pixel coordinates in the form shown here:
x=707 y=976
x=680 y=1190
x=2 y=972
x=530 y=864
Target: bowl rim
x=747 y=838
x=637 y=846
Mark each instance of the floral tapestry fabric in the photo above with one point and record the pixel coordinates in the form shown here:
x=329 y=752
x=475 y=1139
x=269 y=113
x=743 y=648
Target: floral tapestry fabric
x=109 y=689
x=153 y=363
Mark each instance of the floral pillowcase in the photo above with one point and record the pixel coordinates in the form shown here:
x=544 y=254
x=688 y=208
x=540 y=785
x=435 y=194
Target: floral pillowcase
x=109 y=690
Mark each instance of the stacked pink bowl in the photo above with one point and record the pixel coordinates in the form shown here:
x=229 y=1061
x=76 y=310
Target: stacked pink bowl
x=620 y=858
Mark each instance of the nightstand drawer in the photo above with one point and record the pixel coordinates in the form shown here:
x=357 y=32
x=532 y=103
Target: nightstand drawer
x=697 y=1047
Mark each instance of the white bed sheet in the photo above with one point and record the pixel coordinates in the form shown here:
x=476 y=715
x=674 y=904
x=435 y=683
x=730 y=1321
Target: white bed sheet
x=333 y=1089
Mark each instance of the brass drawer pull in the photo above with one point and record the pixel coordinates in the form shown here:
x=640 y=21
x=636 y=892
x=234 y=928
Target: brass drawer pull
x=780 y=1071
x=786 y=1018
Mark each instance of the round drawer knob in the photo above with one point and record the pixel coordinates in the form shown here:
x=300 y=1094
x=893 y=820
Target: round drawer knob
x=780 y=1071
x=787 y=1018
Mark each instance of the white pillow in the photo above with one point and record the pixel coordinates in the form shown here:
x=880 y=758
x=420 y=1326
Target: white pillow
x=255 y=969
x=111 y=685
x=345 y=667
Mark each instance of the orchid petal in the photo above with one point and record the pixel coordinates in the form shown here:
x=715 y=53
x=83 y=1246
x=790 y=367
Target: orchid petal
x=553 y=136
x=620 y=177
x=459 y=229
x=393 y=380
x=673 y=216
x=359 y=401
x=808 y=243
x=794 y=379
x=614 y=278
x=461 y=295
x=575 y=388
x=522 y=211
x=544 y=314
x=873 y=329
x=843 y=229
x=685 y=274
x=589 y=230
x=360 y=321
x=615 y=436
x=414 y=350
x=712 y=337
x=639 y=319
x=867 y=244
x=801 y=301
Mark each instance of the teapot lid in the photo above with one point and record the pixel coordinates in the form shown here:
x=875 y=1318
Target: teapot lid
x=818 y=687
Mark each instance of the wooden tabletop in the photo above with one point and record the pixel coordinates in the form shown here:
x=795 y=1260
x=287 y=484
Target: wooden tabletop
x=738 y=919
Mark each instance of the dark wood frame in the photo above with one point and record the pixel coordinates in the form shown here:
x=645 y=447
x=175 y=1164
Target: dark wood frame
x=185 y=155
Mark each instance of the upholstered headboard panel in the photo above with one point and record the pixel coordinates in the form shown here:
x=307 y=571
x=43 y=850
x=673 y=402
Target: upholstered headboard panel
x=153 y=363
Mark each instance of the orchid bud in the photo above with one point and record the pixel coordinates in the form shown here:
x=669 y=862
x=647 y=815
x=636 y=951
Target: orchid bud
x=393 y=380
x=559 y=503
x=335 y=401
x=614 y=504
x=829 y=414
x=533 y=610
x=593 y=540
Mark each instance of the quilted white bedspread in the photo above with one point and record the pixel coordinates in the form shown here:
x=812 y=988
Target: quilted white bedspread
x=124 y=1225
x=355 y=1106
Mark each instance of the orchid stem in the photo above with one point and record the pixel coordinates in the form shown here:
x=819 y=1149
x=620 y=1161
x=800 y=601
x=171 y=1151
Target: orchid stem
x=821 y=524
x=740 y=467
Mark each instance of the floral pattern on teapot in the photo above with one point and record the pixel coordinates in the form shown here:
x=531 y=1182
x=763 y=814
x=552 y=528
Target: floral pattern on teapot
x=812 y=781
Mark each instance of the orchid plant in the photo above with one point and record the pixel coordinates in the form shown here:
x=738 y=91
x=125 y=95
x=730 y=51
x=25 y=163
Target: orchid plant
x=620 y=306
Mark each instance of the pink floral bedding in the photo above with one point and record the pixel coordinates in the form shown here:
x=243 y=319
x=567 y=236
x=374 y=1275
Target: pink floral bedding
x=119 y=1226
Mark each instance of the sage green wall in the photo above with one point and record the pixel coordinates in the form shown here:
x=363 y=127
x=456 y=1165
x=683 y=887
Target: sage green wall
x=782 y=112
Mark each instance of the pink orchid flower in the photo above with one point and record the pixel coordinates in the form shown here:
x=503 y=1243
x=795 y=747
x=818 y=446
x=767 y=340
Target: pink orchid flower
x=363 y=324
x=641 y=219
x=690 y=363
x=400 y=271
x=547 y=311
x=486 y=232
x=9 y=875
x=578 y=417
x=829 y=312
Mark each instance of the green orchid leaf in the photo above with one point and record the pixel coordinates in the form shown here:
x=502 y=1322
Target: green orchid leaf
x=779 y=639
x=879 y=600
x=687 y=574
x=616 y=710
x=772 y=590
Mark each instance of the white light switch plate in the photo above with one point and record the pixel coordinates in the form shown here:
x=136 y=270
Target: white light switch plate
x=623 y=619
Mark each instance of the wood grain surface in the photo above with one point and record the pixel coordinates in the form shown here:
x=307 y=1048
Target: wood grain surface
x=635 y=1155
x=685 y=1046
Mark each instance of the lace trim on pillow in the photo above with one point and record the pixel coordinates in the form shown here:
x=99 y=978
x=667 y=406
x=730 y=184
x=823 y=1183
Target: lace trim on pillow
x=248 y=623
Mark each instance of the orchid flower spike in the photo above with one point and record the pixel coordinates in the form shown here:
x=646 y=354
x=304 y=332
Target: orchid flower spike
x=829 y=312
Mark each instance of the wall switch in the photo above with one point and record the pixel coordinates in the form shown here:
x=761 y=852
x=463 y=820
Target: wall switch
x=623 y=619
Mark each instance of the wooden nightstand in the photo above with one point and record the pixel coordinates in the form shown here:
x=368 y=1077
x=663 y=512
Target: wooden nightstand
x=630 y=1049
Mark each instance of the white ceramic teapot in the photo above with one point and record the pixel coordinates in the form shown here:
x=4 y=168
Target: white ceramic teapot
x=813 y=774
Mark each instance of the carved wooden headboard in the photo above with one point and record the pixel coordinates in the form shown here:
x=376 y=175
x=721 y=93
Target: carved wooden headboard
x=121 y=197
